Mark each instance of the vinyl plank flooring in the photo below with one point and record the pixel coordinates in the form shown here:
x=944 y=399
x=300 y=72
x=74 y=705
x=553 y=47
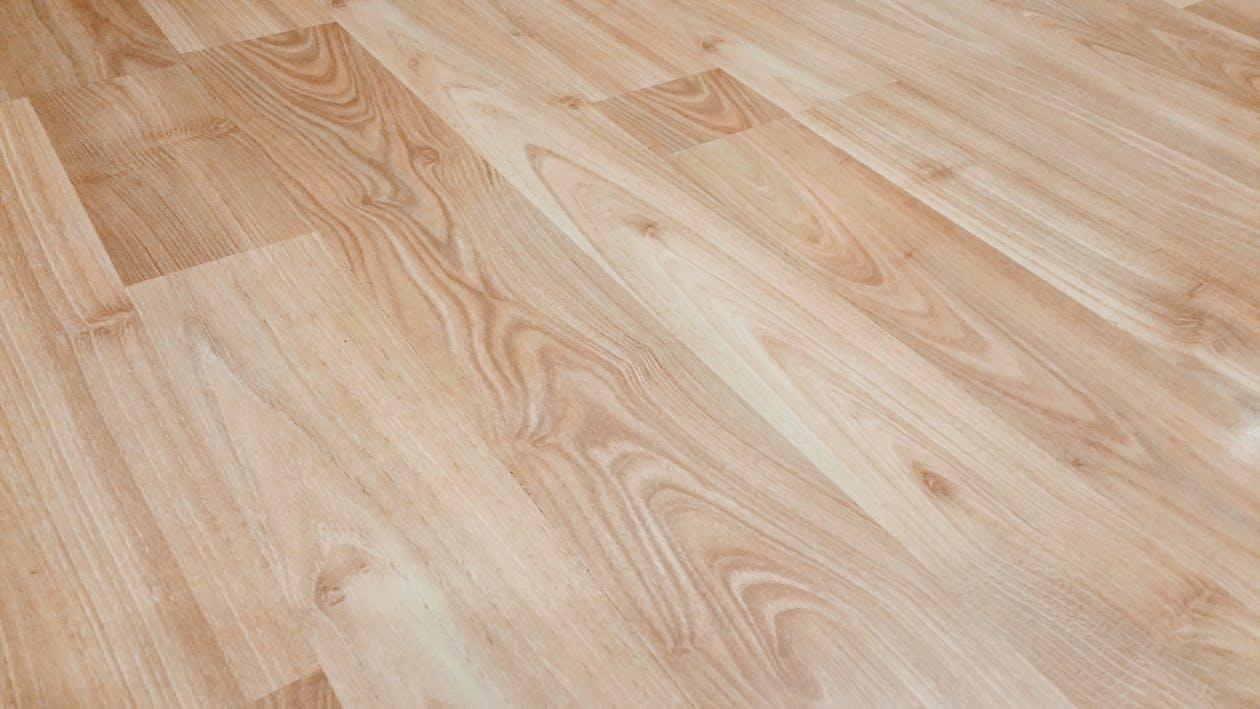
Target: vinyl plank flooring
x=46 y=44
x=426 y=571
x=166 y=178
x=650 y=468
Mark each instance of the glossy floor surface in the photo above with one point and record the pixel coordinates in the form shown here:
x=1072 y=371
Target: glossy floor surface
x=635 y=353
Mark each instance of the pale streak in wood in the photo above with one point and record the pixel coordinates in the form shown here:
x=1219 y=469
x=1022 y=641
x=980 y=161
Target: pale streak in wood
x=45 y=44
x=165 y=176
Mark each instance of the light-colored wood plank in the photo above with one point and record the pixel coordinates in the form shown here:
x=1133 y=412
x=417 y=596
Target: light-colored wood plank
x=688 y=111
x=112 y=381
x=428 y=574
x=94 y=608
x=1167 y=258
x=165 y=176
x=206 y=23
x=45 y=44
x=1142 y=432
x=727 y=551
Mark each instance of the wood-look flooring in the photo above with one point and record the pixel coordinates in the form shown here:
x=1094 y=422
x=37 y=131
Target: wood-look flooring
x=394 y=353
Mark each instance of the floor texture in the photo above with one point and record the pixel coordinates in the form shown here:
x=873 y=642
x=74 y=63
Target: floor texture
x=392 y=353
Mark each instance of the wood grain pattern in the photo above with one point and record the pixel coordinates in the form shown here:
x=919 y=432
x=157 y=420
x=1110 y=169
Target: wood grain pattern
x=1198 y=305
x=45 y=44
x=626 y=207
x=594 y=411
x=684 y=112
x=629 y=353
x=370 y=489
x=165 y=176
x=1241 y=16
x=95 y=607
x=1041 y=360
x=198 y=25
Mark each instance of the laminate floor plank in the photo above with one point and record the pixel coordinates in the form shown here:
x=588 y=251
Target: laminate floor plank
x=164 y=174
x=104 y=601
x=46 y=44
x=426 y=571
x=644 y=461
x=1087 y=393
x=376 y=353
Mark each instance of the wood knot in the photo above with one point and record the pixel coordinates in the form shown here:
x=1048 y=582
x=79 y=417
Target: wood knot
x=344 y=564
x=937 y=485
x=427 y=155
x=711 y=45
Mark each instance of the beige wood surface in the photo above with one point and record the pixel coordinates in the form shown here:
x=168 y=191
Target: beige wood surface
x=389 y=353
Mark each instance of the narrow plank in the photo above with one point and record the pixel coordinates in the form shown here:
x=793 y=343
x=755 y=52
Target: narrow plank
x=313 y=692
x=116 y=401
x=1192 y=298
x=1142 y=432
x=46 y=44
x=167 y=179
x=94 y=608
x=428 y=574
x=1241 y=16
x=835 y=385
x=197 y=25
x=689 y=111
x=730 y=554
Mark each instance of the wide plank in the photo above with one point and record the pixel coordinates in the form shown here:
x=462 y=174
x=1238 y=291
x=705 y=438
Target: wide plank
x=166 y=177
x=727 y=551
